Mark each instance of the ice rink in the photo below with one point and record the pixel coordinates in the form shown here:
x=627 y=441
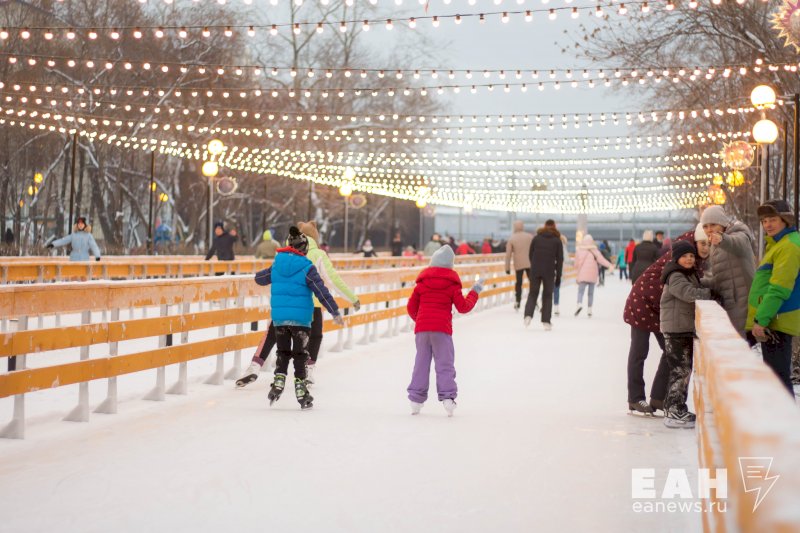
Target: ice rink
x=541 y=441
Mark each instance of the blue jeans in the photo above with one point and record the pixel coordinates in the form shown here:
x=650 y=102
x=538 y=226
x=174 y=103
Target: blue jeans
x=556 y=294
x=582 y=287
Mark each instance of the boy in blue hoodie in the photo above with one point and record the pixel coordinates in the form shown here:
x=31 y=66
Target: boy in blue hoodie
x=294 y=278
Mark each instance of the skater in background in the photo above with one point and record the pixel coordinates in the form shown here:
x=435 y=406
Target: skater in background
x=547 y=262
x=367 y=250
x=773 y=316
x=732 y=262
x=268 y=248
x=644 y=254
x=223 y=243
x=437 y=290
x=518 y=247
x=643 y=314
x=464 y=248
x=434 y=244
x=682 y=288
x=80 y=240
x=294 y=280
x=629 y=257
x=605 y=250
x=622 y=265
x=486 y=247
x=557 y=286
x=331 y=278
x=587 y=260
x=397 y=245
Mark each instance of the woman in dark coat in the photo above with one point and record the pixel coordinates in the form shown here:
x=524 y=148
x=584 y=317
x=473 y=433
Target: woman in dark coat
x=645 y=254
x=642 y=314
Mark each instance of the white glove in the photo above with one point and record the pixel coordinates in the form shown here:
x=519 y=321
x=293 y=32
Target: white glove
x=356 y=305
x=338 y=320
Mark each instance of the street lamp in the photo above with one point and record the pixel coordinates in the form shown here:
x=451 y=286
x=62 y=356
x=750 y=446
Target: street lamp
x=346 y=190
x=210 y=169
x=765 y=132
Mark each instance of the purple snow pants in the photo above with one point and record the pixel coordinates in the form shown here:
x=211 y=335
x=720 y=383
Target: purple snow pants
x=439 y=347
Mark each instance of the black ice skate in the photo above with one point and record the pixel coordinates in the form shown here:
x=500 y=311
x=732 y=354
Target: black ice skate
x=301 y=392
x=640 y=408
x=578 y=310
x=278 y=384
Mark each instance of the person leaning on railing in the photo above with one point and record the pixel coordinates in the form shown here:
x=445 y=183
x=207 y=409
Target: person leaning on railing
x=773 y=314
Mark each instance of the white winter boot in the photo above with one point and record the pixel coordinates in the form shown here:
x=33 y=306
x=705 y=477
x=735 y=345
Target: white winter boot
x=590 y=311
x=310 y=374
x=547 y=326
x=449 y=406
x=416 y=408
x=555 y=310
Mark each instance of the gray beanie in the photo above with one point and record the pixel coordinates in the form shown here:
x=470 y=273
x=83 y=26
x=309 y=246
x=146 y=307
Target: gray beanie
x=443 y=257
x=715 y=215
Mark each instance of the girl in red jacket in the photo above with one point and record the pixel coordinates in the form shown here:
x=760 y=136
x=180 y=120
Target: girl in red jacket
x=438 y=288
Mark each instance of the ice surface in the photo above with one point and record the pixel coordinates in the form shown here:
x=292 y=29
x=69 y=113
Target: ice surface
x=540 y=442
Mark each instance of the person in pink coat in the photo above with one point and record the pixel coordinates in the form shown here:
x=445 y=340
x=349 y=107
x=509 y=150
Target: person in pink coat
x=587 y=259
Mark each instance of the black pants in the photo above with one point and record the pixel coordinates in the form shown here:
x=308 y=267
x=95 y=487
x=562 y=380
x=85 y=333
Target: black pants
x=680 y=357
x=518 y=284
x=292 y=345
x=602 y=274
x=267 y=343
x=547 y=282
x=640 y=347
x=778 y=356
x=623 y=272
x=315 y=336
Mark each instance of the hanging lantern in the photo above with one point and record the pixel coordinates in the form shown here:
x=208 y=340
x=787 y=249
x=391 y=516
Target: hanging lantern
x=738 y=155
x=735 y=179
x=357 y=201
x=718 y=179
x=787 y=22
x=716 y=195
x=226 y=186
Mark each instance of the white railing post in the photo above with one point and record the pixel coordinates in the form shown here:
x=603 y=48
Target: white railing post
x=81 y=412
x=109 y=405
x=374 y=336
x=365 y=338
x=158 y=393
x=236 y=369
x=339 y=346
x=16 y=428
x=218 y=377
x=181 y=386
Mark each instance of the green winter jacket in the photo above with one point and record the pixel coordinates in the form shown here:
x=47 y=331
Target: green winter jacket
x=328 y=274
x=774 y=299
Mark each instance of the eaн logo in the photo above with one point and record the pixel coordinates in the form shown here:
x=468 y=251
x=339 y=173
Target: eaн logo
x=756 y=478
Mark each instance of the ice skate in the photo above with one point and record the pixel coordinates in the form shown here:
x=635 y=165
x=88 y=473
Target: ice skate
x=249 y=376
x=301 y=392
x=657 y=405
x=589 y=311
x=578 y=310
x=547 y=326
x=640 y=408
x=527 y=321
x=310 y=373
x=555 y=311
x=416 y=407
x=449 y=406
x=278 y=384
x=516 y=306
x=679 y=419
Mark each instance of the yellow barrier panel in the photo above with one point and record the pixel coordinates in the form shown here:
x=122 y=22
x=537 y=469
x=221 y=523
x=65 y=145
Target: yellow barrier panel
x=743 y=411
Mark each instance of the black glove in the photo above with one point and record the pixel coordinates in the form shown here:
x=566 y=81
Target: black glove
x=50 y=245
x=508 y=272
x=97 y=259
x=717 y=297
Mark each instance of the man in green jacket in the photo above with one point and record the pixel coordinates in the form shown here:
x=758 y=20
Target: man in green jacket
x=773 y=314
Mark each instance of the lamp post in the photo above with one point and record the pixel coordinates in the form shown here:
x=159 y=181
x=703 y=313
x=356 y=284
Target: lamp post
x=421 y=203
x=765 y=132
x=346 y=190
x=210 y=169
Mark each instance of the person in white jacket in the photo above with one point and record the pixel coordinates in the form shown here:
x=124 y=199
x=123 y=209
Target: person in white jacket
x=587 y=259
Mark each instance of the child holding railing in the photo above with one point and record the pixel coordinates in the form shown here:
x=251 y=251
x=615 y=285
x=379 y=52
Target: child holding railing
x=438 y=289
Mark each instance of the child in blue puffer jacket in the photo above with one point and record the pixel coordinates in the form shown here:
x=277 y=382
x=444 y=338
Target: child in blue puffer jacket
x=294 y=278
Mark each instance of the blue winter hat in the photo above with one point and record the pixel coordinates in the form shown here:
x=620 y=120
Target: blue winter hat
x=443 y=257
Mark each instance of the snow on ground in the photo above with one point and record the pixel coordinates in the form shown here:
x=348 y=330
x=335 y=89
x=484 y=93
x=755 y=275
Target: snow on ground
x=540 y=441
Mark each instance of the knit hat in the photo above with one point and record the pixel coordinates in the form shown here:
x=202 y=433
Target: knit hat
x=267 y=236
x=700 y=234
x=647 y=235
x=777 y=208
x=443 y=257
x=219 y=224
x=297 y=240
x=680 y=248
x=79 y=220
x=715 y=215
x=309 y=229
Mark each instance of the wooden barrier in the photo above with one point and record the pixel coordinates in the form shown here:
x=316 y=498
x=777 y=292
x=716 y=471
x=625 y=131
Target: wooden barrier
x=743 y=411
x=52 y=268
x=383 y=294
